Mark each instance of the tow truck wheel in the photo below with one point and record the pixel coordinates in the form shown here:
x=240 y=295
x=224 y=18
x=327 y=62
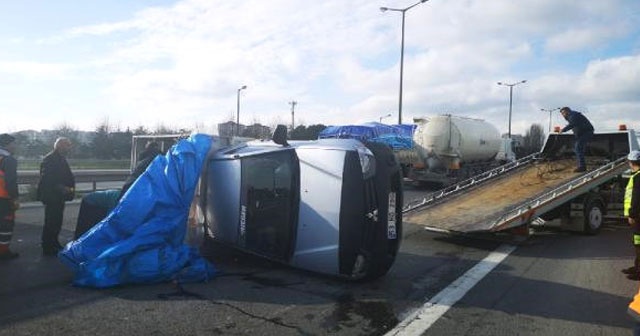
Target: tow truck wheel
x=593 y=217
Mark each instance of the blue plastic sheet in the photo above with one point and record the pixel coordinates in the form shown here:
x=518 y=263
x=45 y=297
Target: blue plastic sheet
x=142 y=238
x=395 y=136
x=362 y=132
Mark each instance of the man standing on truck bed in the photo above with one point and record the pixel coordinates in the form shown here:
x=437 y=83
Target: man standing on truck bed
x=582 y=129
x=632 y=211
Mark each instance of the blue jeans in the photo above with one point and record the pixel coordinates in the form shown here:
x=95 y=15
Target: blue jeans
x=579 y=148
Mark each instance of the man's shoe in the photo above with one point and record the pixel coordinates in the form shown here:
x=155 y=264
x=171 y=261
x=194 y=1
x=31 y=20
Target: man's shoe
x=50 y=251
x=580 y=170
x=629 y=270
x=8 y=255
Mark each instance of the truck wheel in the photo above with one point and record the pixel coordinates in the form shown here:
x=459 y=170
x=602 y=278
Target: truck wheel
x=593 y=217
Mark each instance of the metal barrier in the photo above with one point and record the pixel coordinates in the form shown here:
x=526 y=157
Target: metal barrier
x=93 y=176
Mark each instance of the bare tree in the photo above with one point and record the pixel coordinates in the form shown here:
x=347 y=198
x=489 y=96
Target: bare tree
x=533 y=139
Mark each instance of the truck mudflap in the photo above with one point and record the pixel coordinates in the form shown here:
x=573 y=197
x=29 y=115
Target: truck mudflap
x=512 y=199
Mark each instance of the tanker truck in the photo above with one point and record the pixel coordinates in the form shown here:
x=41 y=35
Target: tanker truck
x=449 y=148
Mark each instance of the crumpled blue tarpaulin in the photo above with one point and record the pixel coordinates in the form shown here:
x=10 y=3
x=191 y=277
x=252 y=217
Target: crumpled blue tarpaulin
x=361 y=132
x=396 y=136
x=142 y=239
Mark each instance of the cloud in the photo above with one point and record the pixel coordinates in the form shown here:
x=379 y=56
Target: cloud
x=35 y=70
x=183 y=63
x=614 y=80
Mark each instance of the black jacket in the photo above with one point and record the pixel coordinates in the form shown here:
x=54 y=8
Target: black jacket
x=146 y=158
x=578 y=123
x=634 y=211
x=55 y=175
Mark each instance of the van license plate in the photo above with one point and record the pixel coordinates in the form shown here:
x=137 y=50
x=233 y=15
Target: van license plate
x=391 y=220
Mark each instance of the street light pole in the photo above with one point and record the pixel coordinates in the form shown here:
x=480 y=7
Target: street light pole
x=384 y=116
x=511 y=99
x=550 y=111
x=238 y=110
x=403 y=11
x=293 y=104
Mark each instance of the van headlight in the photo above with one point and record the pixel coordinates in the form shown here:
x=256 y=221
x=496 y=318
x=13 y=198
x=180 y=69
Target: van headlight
x=367 y=162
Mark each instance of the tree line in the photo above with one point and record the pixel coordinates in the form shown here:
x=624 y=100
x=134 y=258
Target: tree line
x=106 y=143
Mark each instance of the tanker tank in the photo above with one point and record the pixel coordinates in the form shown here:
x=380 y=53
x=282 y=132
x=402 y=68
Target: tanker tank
x=447 y=142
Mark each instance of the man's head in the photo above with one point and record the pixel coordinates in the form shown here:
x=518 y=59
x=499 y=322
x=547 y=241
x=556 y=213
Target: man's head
x=152 y=146
x=62 y=145
x=565 y=111
x=634 y=159
x=8 y=142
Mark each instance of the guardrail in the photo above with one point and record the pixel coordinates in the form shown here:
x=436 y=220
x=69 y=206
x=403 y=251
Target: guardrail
x=91 y=176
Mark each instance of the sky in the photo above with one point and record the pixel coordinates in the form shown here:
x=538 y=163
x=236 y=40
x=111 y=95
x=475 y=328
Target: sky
x=181 y=64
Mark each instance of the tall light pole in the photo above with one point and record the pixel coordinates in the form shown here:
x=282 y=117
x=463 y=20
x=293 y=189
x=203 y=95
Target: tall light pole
x=511 y=99
x=384 y=116
x=293 y=104
x=403 y=11
x=550 y=111
x=238 y=110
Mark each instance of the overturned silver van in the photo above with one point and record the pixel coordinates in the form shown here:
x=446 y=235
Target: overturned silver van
x=332 y=206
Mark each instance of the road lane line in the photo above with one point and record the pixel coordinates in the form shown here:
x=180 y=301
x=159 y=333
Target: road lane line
x=423 y=318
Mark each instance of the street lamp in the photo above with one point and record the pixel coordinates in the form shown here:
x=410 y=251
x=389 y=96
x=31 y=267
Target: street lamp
x=238 y=110
x=384 y=116
x=403 y=11
x=511 y=99
x=550 y=111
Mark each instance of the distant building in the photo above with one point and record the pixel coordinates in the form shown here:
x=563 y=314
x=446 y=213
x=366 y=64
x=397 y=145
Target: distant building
x=257 y=131
x=228 y=129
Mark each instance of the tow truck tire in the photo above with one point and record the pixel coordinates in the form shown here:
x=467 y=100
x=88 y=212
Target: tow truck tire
x=388 y=180
x=593 y=217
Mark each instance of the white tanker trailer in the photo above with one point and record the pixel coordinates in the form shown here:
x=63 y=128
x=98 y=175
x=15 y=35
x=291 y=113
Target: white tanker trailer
x=449 y=148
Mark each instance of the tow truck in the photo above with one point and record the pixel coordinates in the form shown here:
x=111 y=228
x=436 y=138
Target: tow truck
x=535 y=189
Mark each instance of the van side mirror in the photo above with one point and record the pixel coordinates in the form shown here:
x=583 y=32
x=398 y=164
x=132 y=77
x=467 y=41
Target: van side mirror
x=280 y=135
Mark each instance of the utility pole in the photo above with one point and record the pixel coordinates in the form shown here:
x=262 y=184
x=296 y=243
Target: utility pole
x=293 y=104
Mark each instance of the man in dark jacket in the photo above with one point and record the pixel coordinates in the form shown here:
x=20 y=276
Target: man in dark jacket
x=583 y=131
x=56 y=186
x=8 y=194
x=151 y=150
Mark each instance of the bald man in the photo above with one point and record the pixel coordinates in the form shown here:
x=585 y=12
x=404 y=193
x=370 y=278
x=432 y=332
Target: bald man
x=56 y=186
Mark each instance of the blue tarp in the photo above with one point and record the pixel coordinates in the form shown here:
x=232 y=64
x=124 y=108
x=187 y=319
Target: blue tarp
x=142 y=238
x=395 y=141
x=362 y=132
x=396 y=136
x=406 y=130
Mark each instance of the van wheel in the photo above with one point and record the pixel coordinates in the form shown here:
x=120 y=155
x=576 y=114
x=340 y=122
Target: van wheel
x=593 y=217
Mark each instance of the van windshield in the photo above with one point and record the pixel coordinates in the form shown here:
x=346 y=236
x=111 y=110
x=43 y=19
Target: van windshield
x=269 y=203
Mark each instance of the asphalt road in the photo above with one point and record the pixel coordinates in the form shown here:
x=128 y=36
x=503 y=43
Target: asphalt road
x=555 y=283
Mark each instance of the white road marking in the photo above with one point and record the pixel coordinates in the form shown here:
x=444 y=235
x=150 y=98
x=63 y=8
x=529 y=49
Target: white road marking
x=423 y=318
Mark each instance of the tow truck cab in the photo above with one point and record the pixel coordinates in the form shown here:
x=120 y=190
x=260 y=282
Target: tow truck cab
x=332 y=206
x=587 y=212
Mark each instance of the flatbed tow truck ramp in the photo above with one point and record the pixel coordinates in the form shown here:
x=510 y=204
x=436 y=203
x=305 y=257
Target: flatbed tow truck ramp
x=542 y=185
